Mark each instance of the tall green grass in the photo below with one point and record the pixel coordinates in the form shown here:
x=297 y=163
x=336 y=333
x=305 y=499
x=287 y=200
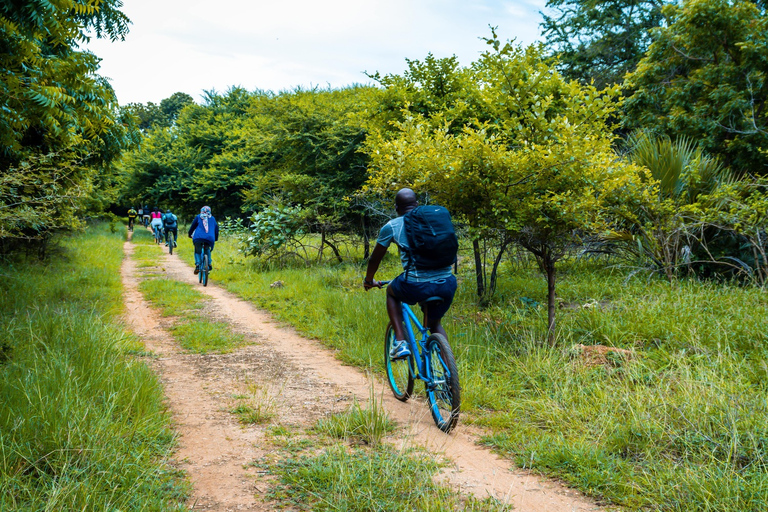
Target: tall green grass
x=680 y=425
x=82 y=425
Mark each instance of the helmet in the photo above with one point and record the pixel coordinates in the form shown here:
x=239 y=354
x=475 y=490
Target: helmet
x=167 y=211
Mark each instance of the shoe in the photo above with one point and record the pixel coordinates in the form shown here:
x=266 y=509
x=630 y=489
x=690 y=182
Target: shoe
x=399 y=350
x=197 y=269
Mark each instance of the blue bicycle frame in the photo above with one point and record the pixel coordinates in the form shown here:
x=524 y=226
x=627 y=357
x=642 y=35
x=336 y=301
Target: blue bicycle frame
x=417 y=347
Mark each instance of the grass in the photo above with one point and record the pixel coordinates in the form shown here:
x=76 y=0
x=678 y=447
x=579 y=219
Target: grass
x=194 y=328
x=368 y=425
x=82 y=423
x=331 y=475
x=680 y=425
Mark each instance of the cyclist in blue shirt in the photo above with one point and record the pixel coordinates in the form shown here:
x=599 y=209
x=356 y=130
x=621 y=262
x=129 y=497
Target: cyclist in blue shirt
x=412 y=286
x=170 y=225
x=203 y=229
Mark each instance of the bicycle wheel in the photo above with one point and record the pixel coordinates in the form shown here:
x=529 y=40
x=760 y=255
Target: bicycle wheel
x=204 y=269
x=171 y=243
x=399 y=372
x=444 y=394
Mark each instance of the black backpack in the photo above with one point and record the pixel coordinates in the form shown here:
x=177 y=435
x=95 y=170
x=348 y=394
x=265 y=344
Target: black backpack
x=432 y=242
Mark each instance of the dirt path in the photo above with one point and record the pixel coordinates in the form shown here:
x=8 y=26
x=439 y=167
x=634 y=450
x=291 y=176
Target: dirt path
x=304 y=382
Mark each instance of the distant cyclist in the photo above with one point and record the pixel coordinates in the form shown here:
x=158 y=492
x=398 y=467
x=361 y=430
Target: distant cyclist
x=157 y=220
x=132 y=214
x=203 y=229
x=145 y=217
x=170 y=225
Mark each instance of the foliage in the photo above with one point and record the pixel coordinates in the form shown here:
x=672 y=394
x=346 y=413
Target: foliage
x=600 y=41
x=540 y=167
x=704 y=77
x=58 y=118
x=163 y=115
x=741 y=208
x=276 y=232
x=662 y=228
x=237 y=151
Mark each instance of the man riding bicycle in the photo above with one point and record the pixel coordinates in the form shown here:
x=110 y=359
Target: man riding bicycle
x=132 y=214
x=170 y=225
x=414 y=285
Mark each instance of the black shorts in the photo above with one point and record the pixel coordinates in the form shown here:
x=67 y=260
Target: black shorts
x=413 y=293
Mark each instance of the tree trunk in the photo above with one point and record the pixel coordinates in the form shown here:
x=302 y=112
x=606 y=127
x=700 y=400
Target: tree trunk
x=479 y=274
x=335 y=251
x=366 y=239
x=496 y=262
x=322 y=246
x=549 y=265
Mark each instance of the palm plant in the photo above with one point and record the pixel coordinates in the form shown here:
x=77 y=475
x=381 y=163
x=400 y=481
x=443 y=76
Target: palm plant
x=682 y=173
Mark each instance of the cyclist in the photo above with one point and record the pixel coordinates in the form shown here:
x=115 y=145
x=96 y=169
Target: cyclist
x=132 y=214
x=413 y=285
x=157 y=221
x=170 y=225
x=203 y=229
x=145 y=217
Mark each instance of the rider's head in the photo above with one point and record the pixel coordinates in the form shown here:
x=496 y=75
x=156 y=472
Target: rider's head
x=167 y=211
x=405 y=201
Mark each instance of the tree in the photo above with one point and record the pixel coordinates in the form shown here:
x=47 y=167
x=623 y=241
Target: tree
x=57 y=116
x=600 y=40
x=705 y=78
x=541 y=168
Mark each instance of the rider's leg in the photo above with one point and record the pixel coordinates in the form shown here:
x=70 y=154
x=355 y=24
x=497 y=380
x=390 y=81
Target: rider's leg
x=395 y=312
x=198 y=252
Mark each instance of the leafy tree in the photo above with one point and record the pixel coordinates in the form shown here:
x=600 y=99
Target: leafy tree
x=600 y=40
x=541 y=168
x=704 y=77
x=57 y=117
x=173 y=105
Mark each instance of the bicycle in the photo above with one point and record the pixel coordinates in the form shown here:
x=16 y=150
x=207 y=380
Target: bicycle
x=158 y=233
x=170 y=239
x=205 y=263
x=431 y=360
x=130 y=224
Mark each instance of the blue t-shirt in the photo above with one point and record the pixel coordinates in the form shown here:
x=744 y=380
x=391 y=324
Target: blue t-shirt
x=394 y=231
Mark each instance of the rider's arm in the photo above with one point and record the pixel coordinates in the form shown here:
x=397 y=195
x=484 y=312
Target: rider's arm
x=194 y=225
x=373 y=265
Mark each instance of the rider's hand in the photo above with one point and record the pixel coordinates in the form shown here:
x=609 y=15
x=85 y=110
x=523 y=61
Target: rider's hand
x=371 y=284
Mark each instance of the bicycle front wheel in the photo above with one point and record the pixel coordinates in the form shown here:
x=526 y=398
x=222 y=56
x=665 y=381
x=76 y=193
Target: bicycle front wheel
x=444 y=393
x=398 y=371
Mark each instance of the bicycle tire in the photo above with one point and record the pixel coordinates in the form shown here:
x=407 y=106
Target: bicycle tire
x=204 y=269
x=399 y=374
x=171 y=243
x=444 y=395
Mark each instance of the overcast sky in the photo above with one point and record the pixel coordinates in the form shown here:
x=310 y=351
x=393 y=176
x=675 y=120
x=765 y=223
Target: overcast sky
x=196 y=45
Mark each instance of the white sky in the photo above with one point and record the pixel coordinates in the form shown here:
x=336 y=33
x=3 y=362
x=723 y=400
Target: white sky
x=196 y=45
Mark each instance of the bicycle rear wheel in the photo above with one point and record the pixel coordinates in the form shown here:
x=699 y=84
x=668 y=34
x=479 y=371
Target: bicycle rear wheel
x=204 y=269
x=399 y=372
x=444 y=394
x=171 y=242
